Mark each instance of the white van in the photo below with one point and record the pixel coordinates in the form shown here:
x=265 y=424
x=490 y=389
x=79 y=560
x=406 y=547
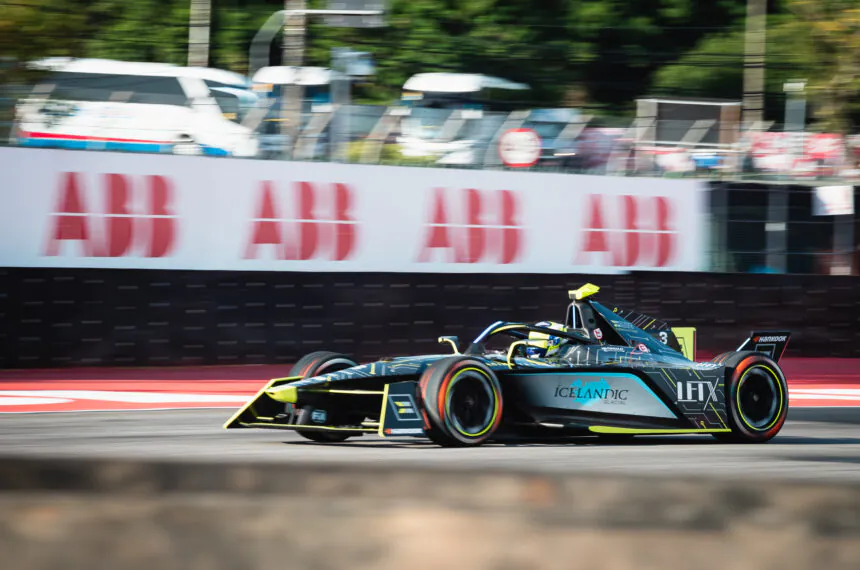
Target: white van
x=136 y=107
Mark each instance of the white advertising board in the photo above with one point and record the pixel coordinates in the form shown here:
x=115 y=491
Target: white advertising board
x=65 y=208
x=833 y=201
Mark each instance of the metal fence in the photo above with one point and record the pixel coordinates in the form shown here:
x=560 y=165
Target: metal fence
x=570 y=140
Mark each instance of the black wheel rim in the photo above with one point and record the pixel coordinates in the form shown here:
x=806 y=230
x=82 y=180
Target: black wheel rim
x=470 y=404
x=758 y=398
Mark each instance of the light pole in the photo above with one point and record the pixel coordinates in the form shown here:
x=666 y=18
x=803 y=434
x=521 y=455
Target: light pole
x=755 y=45
x=293 y=54
x=795 y=105
x=198 y=33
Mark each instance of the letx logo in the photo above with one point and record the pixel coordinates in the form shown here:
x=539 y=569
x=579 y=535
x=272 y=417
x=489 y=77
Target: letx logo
x=696 y=391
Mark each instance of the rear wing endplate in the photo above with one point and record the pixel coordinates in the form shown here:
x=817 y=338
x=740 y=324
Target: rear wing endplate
x=686 y=337
x=771 y=343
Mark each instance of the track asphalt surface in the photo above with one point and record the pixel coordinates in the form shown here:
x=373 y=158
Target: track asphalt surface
x=816 y=444
x=820 y=441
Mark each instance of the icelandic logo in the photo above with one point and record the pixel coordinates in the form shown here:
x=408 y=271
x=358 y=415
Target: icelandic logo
x=697 y=391
x=589 y=392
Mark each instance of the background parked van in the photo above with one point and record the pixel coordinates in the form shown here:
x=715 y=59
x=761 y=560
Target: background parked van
x=136 y=107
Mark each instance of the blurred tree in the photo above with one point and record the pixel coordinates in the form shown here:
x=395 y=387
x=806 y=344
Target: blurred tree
x=143 y=30
x=626 y=42
x=30 y=29
x=600 y=51
x=715 y=67
x=818 y=44
x=596 y=53
x=833 y=30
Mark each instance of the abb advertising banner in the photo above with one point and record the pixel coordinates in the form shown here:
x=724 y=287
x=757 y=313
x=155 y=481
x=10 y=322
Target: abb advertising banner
x=91 y=209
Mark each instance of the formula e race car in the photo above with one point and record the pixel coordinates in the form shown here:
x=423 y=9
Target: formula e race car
x=609 y=372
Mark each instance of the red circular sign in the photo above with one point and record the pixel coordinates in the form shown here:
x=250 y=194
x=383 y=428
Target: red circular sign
x=519 y=148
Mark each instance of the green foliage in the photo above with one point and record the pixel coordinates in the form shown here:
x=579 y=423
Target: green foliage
x=596 y=54
x=139 y=30
x=832 y=31
x=390 y=154
x=35 y=27
x=715 y=67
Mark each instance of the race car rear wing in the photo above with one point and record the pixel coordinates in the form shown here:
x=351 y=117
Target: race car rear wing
x=772 y=343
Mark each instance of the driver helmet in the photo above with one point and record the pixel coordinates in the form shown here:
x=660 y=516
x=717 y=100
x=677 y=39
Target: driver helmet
x=541 y=345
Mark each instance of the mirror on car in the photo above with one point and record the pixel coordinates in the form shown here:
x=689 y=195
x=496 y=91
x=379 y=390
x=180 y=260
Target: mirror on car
x=453 y=341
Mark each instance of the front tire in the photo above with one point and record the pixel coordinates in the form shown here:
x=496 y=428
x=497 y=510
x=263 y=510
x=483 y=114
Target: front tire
x=316 y=364
x=756 y=398
x=461 y=400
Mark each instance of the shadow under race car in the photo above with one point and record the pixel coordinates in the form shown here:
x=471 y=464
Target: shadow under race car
x=604 y=371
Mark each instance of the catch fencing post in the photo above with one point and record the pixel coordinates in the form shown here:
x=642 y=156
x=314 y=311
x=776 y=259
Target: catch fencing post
x=293 y=55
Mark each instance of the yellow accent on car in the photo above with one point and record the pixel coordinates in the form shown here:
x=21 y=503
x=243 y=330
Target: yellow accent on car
x=738 y=393
x=336 y=391
x=586 y=290
x=647 y=431
x=687 y=339
x=718 y=416
x=235 y=417
x=284 y=394
x=512 y=348
x=381 y=431
x=305 y=427
x=495 y=402
x=443 y=339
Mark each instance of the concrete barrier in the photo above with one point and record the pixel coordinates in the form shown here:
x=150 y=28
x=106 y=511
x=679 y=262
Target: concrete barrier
x=145 y=516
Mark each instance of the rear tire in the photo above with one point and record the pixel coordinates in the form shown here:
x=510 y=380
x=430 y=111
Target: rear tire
x=461 y=400
x=756 y=396
x=316 y=364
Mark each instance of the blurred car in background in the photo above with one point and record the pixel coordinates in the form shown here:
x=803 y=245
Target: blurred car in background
x=463 y=91
x=453 y=117
x=96 y=104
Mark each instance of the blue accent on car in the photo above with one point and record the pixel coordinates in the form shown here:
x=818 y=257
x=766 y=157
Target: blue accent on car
x=601 y=383
x=589 y=388
x=487 y=331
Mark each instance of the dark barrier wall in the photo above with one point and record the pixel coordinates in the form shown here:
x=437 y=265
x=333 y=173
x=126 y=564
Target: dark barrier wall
x=59 y=317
